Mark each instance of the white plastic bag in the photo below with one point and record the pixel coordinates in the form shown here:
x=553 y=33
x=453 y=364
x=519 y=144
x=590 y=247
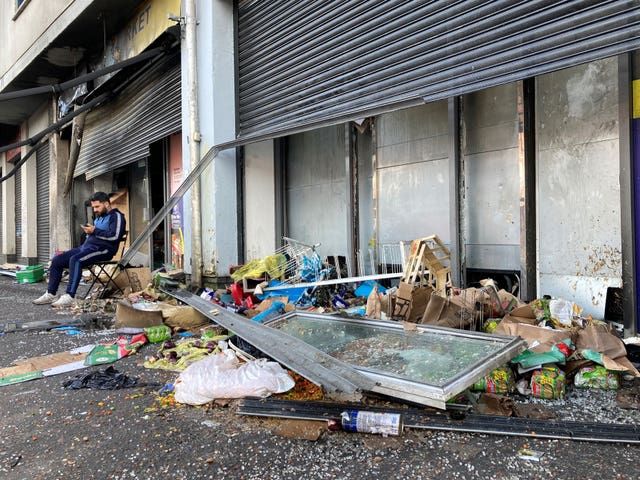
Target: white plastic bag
x=223 y=376
x=561 y=310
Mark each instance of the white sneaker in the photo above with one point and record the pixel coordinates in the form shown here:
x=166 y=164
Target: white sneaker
x=45 y=299
x=64 y=301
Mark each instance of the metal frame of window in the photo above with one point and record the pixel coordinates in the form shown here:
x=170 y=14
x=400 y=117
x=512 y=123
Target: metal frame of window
x=412 y=389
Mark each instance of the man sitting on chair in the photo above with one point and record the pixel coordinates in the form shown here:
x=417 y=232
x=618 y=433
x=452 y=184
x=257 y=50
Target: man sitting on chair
x=103 y=239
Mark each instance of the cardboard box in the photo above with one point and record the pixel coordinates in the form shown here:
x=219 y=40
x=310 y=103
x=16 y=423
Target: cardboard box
x=410 y=302
x=127 y=316
x=134 y=279
x=448 y=312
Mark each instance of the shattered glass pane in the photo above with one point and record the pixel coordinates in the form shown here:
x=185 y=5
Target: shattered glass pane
x=432 y=357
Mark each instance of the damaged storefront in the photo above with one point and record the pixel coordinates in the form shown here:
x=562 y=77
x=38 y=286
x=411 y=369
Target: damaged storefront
x=517 y=159
x=132 y=145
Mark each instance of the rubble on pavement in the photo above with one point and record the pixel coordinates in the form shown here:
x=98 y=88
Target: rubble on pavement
x=567 y=355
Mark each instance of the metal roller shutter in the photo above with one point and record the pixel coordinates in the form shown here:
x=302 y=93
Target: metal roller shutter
x=305 y=64
x=120 y=132
x=18 y=192
x=42 y=199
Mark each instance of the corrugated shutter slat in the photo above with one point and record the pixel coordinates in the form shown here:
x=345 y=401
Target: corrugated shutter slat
x=302 y=67
x=120 y=132
x=42 y=194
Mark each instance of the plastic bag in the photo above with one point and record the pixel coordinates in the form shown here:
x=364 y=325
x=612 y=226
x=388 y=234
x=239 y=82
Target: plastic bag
x=548 y=382
x=223 y=376
x=596 y=377
x=274 y=265
x=561 y=310
x=109 y=379
x=498 y=381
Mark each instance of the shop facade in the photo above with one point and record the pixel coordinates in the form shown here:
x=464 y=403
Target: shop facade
x=513 y=143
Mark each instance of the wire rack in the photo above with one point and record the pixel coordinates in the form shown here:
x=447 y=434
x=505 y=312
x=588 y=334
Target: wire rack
x=390 y=258
x=302 y=261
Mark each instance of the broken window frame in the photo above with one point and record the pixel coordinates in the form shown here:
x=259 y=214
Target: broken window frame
x=394 y=385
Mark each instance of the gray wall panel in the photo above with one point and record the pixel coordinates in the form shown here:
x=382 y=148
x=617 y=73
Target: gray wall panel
x=316 y=193
x=578 y=105
x=491 y=204
x=578 y=184
x=414 y=201
x=492 y=199
x=413 y=173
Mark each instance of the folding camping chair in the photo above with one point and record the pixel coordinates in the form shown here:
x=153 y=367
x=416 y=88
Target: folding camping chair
x=104 y=273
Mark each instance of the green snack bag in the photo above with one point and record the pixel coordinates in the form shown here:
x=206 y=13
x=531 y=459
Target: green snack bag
x=596 y=377
x=158 y=333
x=499 y=381
x=548 y=382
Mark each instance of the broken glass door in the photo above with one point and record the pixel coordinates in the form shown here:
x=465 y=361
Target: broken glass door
x=427 y=365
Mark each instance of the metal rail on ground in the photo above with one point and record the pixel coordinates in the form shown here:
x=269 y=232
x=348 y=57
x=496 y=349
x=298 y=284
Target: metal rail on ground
x=439 y=420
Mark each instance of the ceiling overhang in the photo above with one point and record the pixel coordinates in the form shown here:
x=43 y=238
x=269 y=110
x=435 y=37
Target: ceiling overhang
x=81 y=41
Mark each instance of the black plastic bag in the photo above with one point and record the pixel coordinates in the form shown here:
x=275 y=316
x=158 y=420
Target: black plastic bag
x=107 y=379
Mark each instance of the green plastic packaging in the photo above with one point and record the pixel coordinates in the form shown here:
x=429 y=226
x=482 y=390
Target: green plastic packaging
x=158 y=333
x=597 y=377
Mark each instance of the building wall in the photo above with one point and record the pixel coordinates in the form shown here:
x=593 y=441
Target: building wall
x=578 y=191
x=491 y=200
x=259 y=200
x=216 y=110
x=413 y=173
x=316 y=190
x=26 y=36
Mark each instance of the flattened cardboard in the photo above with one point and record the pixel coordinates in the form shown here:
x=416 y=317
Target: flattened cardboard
x=600 y=338
x=531 y=334
x=129 y=317
x=32 y=368
x=446 y=312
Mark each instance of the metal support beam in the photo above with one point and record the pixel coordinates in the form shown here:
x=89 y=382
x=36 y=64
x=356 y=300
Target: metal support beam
x=353 y=219
x=627 y=197
x=279 y=167
x=527 y=174
x=333 y=375
x=435 y=420
x=456 y=185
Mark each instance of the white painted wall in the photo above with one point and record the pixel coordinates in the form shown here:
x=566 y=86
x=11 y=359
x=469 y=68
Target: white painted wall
x=216 y=107
x=259 y=200
x=26 y=36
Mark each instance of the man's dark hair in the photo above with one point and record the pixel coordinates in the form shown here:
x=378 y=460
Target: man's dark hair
x=99 y=197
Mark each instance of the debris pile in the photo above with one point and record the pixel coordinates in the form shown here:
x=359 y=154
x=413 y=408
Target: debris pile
x=299 y=329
